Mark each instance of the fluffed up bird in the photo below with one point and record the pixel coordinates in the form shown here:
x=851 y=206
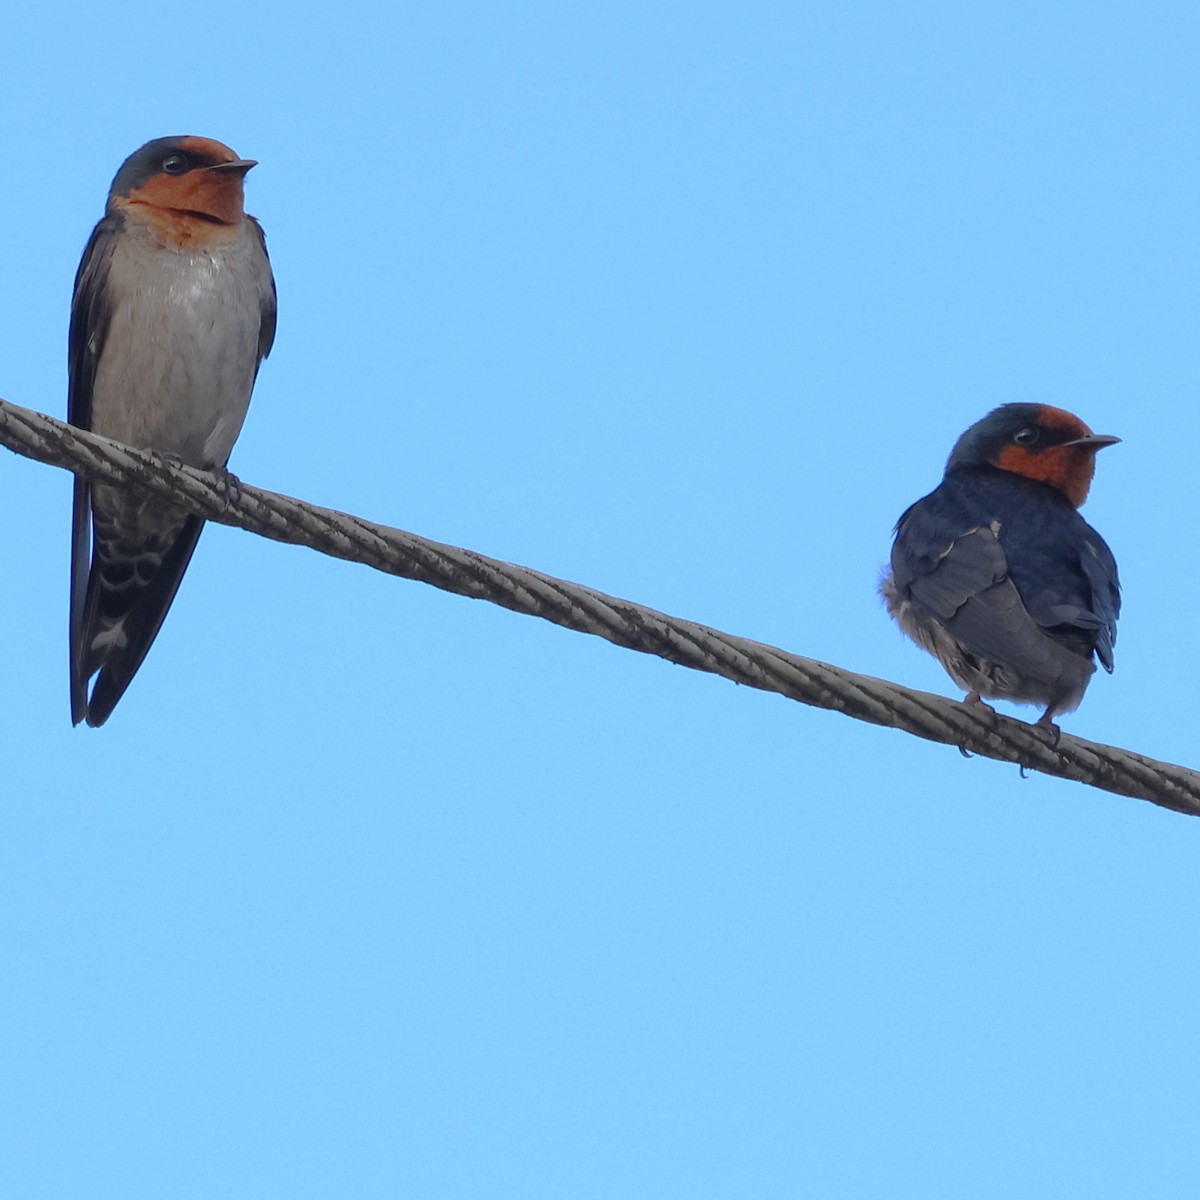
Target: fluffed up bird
x=997 y=575
x=174 y=310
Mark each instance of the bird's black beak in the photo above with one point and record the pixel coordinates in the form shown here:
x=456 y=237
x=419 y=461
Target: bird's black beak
x=240 y=165
x=1094 y=441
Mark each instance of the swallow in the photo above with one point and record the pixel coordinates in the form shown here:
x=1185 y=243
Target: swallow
x=997 y=575
x=173 y=313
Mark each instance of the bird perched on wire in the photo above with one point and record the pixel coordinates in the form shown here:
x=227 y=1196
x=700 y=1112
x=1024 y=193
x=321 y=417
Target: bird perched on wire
x=997 y=575
x=174 y=310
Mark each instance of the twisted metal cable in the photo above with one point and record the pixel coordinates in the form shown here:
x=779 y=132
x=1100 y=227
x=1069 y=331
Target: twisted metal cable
x=622 y=622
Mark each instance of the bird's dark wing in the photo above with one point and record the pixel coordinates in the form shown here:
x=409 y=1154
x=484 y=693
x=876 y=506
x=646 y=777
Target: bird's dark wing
x=1101 y=570
x=143 y=547
x=90 y=317
x=943 y=556
x=1068 y=577
x=950 y=559
x=269 y=300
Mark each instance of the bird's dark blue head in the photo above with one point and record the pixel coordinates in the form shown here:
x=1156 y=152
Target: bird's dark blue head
x=174 y=157
x=1034 y=440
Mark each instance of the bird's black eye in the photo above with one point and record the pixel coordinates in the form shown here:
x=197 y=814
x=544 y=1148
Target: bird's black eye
x=1026 y=436
x=175 y=164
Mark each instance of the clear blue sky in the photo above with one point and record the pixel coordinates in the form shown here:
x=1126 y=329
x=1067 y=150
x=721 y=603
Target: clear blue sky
x=371 y=891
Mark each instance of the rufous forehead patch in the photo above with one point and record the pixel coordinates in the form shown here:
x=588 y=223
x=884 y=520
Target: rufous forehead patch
x=1059 y=418
x=207 y=148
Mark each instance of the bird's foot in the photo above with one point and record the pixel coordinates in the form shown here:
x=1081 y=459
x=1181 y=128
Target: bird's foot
x=975 y=700
x=228 y=486
x=1045 y=722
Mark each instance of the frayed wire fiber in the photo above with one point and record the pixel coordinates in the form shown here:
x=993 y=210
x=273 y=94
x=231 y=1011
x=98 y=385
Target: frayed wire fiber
x=622 y=622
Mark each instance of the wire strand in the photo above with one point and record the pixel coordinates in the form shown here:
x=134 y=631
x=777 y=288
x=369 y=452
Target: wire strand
x=585 y=610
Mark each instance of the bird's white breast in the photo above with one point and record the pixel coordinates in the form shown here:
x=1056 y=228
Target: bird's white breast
x=178 y=363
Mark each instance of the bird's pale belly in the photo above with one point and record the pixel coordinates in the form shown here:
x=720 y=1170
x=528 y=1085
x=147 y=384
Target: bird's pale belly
x=178 y=363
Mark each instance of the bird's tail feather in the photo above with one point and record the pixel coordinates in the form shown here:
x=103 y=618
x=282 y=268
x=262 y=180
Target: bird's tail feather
x=129 y=591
